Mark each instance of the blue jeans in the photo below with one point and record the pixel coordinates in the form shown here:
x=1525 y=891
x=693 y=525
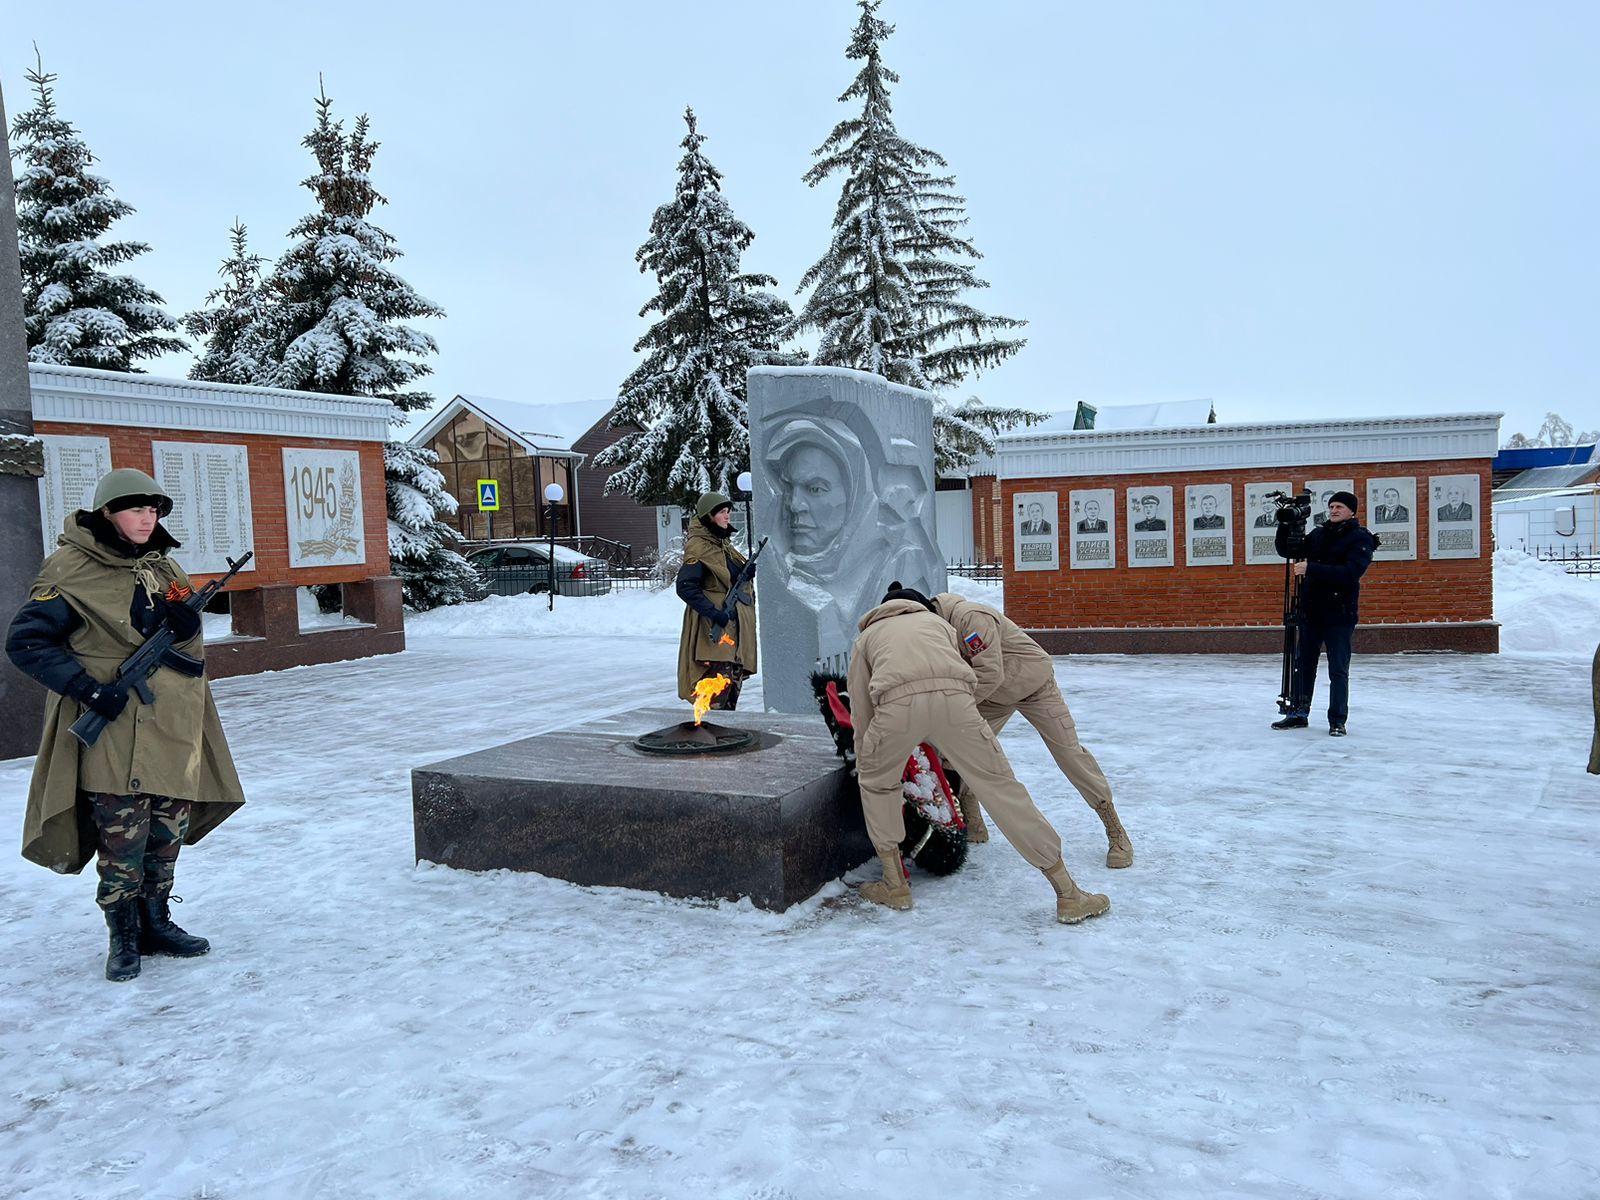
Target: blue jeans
x=1313 y=637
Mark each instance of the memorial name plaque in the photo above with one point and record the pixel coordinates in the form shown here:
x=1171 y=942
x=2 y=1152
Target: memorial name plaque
x=1261 y=521
x=72 y=466
x=1150 y=526
x=1392 y=515
x=1208 y=526
x=209 y=483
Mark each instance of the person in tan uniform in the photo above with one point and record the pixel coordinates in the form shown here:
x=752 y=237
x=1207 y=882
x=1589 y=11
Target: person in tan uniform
x=908 y=683
x=1015 y=675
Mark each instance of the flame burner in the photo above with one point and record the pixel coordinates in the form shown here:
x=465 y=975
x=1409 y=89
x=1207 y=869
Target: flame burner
x=688 y=738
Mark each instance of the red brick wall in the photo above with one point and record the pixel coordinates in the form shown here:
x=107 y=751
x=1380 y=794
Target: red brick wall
x=130 y=447
x=1442 y=590
x=989 y=526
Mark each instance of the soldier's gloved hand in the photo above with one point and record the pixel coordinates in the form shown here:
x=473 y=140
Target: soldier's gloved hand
x=180 y=618
x=108 y=699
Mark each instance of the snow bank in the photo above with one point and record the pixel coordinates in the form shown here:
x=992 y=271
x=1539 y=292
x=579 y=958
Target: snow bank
x=1542 y=609
x=631 y=612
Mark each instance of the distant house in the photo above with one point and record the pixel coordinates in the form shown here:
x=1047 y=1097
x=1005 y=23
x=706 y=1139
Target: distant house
x=525 y=447
x=1551 y=503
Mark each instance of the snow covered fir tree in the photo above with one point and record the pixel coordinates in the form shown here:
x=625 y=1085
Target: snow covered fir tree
x=887 y=295
x=333 y=319
x=686 y=401
x=230 y=312
x=433 y=574
x=77 y=310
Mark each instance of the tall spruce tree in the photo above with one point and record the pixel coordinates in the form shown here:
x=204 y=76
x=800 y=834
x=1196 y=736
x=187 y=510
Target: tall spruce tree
x=230 y=312
x=686 y=403
x=76 y=310
x=332 y=320
x=887 y=295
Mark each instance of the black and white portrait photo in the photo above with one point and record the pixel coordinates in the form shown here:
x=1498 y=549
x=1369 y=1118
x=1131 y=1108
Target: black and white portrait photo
x=1034 y=546
x=1210 y=519
x=1150 y=518
x=1453 y=500
x=1093 y=545
x=1261 y=518
x=1391 y=513
x=1150 y=521
x=1092 y=521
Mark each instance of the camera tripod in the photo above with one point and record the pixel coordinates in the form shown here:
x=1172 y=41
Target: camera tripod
x=1289 y=694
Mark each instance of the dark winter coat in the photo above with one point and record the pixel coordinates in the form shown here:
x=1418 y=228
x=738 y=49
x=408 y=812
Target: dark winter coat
x=1337 y=555
x=704 y=581
x=95 y=601
x=1594 y=745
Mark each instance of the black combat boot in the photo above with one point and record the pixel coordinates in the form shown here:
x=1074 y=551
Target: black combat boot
x=1292 y=721
x=158 y=935
x=122 y=963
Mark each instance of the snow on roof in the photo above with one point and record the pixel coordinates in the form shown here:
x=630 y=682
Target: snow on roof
x=1545 y=479
x=548 y=426
x=540 y=428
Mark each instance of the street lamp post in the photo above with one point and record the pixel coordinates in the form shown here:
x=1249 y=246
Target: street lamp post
x=745 y=485
x=554 y=494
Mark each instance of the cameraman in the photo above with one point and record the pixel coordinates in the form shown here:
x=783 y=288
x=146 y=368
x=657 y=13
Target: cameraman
x=1330 y=562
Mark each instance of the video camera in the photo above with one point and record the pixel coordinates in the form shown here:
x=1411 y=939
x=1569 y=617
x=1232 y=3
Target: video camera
x=1292 y=514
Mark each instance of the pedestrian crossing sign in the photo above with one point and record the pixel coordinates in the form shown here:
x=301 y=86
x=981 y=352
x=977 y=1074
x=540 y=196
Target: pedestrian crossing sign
x=488 y=495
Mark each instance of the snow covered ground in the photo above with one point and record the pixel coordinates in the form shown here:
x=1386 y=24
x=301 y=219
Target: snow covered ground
x=1358 y=968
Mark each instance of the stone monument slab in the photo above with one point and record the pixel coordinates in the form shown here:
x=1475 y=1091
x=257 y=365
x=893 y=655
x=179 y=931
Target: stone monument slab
x=842 y=470
x=773 y=822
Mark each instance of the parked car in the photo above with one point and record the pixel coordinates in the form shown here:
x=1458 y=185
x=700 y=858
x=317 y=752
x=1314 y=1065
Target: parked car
x=518 y=568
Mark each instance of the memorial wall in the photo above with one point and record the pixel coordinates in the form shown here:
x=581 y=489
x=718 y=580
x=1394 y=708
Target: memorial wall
x=296 y=477
x=1163 y=540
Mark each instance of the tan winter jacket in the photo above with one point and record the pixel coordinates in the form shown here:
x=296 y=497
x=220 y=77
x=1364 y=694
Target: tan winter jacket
x=1009 y=664
x=902 y=650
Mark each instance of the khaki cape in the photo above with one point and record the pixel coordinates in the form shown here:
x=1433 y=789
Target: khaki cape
x=695 y=643
x=174 y=747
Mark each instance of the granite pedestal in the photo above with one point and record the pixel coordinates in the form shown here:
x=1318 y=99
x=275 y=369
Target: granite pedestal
x=773 y=822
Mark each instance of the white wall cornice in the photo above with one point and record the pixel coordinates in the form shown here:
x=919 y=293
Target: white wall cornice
x=79 y=396
x=1242 y=447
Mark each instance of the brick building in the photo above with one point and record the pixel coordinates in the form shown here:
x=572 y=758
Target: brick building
x=1159 y=540
x=297 y=477
x=526 y=447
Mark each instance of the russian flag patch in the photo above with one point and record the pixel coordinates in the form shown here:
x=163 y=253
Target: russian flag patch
x=974 y=644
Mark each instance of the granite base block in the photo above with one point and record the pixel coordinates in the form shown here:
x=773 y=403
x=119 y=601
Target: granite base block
x=773 y=822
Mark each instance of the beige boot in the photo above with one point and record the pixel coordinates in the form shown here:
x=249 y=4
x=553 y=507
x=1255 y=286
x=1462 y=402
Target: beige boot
x=892 y=891
x=972 y=814
x=1073 y=904
x=1119 y=852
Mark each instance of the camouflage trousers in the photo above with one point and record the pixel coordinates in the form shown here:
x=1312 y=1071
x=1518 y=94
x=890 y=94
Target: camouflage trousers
x=139 y=840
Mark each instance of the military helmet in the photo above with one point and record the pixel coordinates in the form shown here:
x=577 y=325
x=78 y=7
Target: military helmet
x=127 y=487
x=710 y=502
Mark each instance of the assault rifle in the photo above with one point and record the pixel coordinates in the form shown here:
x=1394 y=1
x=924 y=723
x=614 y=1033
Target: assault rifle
x=736 y=595
x=158 y=651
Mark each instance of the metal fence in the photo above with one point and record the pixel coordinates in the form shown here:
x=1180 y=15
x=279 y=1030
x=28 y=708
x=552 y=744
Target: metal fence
x=985 y=572
x=1575 y=560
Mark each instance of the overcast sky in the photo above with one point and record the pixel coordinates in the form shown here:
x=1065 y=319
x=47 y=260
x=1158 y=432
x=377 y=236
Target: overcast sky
x=1294 y=209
